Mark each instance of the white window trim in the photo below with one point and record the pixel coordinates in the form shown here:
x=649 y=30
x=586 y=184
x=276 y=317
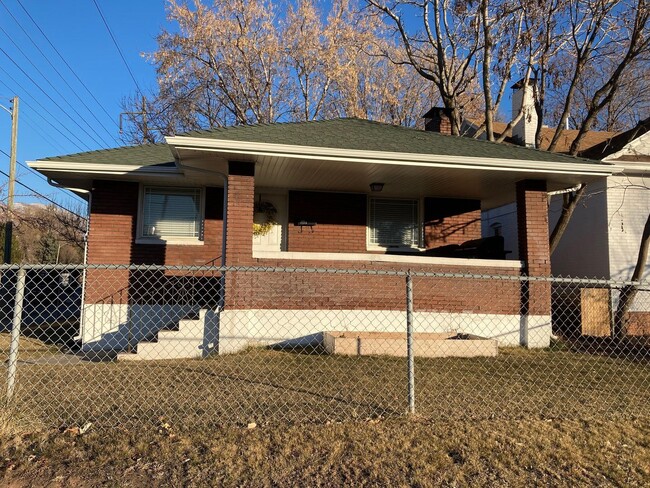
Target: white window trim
x=174 y=240
x=374 y=247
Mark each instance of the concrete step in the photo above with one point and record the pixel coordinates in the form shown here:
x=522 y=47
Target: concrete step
x=128 y=356
x=183 y=341
x=170 y=349
x=191 y=327
x=178 y=348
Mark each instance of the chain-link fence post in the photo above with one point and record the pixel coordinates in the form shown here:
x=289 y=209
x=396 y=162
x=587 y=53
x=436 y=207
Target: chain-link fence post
x=524 y=310
x=15 y=333
x=409 y=343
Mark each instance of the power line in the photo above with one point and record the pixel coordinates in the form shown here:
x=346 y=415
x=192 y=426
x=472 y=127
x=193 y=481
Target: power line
x=42 y=177
x=54 y=88
x=47 y=95
x=118 y=47
x=67 y=64
x=24 y=165
x=43 y=134
x=78 y=146
x=47 y=59
x=44 y=197
x=36 y=128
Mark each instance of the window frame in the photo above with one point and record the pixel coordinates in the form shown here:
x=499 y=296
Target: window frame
x=179 y=240
x=417 y=247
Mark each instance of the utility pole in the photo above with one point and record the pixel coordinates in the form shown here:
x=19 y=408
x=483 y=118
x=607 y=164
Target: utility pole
x=143 y=113
x=12 y=180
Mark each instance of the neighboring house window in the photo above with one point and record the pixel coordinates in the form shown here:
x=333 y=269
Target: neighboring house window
x=171 y=213
x=393 y=222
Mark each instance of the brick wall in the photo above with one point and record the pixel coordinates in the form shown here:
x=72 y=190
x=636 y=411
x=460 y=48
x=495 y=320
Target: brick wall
x=532 y=223
x=341 y=221
x=298 y=290
x=451 y=221
x=113 y=230
x=638 y=323
x=340 y=218
x=114 y=211
x=439 y=121
x=241 y=202
x=341 y=227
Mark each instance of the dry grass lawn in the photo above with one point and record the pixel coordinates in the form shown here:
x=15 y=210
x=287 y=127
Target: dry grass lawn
x=274 y=387
x=388 y=453
x=549 y=417
x=29 y=348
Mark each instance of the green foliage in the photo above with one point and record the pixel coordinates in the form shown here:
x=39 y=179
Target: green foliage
x=49 y=249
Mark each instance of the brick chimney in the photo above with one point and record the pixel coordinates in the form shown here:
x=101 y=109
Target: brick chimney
x=438 y=120
x=522 y=95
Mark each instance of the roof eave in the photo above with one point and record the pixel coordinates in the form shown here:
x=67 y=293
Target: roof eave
x=383 y=157
x=101 y=169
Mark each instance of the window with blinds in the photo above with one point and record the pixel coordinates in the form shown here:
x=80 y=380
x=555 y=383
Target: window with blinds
x=394 y=223
x=171 y=212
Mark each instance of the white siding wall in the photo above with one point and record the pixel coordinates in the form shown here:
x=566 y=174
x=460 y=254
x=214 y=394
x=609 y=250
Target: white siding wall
x=638 y=148
x=583 y=250
x=628 y=205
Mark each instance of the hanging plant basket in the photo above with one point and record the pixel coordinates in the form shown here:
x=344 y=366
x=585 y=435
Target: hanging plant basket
x=265 y=213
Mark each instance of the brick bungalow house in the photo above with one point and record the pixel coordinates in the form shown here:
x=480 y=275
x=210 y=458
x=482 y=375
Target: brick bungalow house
x=342 y=193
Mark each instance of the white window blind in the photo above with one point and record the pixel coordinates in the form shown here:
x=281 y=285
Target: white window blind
x=171 y=212
x=394 y=222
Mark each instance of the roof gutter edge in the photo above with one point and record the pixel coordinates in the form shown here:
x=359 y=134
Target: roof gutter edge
x=380 y=157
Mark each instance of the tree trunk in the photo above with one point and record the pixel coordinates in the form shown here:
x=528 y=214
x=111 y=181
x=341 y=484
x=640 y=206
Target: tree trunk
x=487 y=80
x=569 y=205
x=628 y=292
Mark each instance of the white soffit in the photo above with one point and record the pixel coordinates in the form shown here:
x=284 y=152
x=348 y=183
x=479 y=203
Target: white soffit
x=245 y=148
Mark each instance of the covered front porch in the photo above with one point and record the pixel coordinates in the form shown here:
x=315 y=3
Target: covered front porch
x=373 y=207
x=272 y=202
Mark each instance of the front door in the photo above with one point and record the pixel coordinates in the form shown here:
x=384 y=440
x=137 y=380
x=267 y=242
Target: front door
x=270 y=218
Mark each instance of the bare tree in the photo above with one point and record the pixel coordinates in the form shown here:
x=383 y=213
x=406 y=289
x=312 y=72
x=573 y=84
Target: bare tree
x=630 y=104
x=444 y=51
x=225 y=57
x=242 y=63
x=34 y=221
x=608 y=36
x=631 y=39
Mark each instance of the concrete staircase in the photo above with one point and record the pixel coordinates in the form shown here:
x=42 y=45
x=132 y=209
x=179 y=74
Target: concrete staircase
x=185 y=340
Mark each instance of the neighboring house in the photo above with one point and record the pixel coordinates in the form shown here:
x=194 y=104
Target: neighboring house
x=604 y=235
x=503 y=220
x=523 y=132
x=346 y=193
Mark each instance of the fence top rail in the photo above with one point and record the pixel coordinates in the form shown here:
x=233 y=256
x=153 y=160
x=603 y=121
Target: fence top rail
x=559 y=280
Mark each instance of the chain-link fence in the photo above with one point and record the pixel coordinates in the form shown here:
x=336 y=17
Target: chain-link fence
x=206 y=346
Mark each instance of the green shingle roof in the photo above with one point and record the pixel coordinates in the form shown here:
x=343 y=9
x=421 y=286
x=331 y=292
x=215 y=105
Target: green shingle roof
x=356 y=134
x=145 y=155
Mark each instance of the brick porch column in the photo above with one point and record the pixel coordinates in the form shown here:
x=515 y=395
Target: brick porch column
x=239 y=214
x=534 y=251
x=237 y=285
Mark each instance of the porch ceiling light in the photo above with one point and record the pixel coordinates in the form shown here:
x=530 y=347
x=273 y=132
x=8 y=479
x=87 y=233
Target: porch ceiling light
x=376 y=186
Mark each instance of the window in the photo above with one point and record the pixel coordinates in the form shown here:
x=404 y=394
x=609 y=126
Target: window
x=393 y=223
x=171 y=213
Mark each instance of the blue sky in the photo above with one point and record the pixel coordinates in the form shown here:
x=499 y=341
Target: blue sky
x=76 y=30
